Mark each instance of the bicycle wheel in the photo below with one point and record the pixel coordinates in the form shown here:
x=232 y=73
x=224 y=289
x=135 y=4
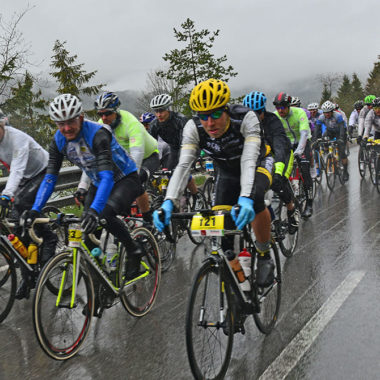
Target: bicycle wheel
x=209 y=323
x=198 y=205
x=330 y=172
x=339 y=170
x=166 y=248
x=208 y=190
x=138 y=295
x=362 y=162
x=61 y=330
x=287 y=242
x=8 y=283
x=372 y=166
x=378 y=174
x=269 y=298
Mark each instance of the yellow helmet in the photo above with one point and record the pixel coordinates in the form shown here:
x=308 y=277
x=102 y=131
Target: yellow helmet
x=208 y=95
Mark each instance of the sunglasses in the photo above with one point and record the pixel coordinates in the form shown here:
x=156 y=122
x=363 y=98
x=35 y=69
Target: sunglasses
x=106 y=113
x=280 y=107
x=214 y=115
x=160 y=110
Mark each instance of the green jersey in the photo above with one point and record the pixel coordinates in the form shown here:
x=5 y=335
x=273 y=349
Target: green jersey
x=294 y=122
x=134 y=138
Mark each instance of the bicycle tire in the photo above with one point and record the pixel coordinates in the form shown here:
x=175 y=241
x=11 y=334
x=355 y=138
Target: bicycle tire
x=319 y=161
x=269 y=298
x=139 y=295
x=378 y=174
x=208 y=190
x=372 y=166
x=209 y=347
x=202 y=204
x=166 y=248
x=362 y=162
x=8 y=283
x=287 y=242
x=330 y=172
x=57 y=333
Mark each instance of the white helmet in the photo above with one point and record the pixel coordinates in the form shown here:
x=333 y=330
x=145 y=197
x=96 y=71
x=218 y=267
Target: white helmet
x=65 y=107
x=161 y=101
x=313 y=106
x=295 y=102
x=328 y=106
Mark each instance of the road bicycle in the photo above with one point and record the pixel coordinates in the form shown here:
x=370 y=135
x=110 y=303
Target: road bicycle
x=218 y=306
x=334 y=165
x=12 y=258
x=373 y=148
x=76 y=284
x=363 y=159
x=209 y=185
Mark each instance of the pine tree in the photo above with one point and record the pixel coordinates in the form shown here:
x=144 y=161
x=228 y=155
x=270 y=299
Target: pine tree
x=357 y=88
x=25 y=110
x=373 y=81
x=326 y=94
x=344 y=97
x=195 y=62
x=71 y=77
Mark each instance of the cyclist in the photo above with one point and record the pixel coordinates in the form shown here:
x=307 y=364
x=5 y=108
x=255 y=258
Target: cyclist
x=353 y=121
x=146 y=118
x=362 y=115
x=169 y=126
x=27 y=162
x=315 y=112
x=372 y=120
x=115 y=183
x=275 y=136
x=338 y=109
x=134 y=138
x=231 y=136
x=335 y=128
x=298 y=131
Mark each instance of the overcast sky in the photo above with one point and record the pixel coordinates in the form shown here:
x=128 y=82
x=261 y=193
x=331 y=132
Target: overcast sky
x=268 y=42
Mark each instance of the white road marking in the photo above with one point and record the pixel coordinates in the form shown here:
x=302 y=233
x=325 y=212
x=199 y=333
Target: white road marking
x=294 y=351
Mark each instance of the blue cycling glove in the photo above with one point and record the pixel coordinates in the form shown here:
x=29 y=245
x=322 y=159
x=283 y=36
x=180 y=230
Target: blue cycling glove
x=246 y=214
x=167 y=206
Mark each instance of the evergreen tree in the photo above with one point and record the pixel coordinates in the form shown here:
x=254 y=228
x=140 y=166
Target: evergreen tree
x=23 y=108
x=326 y=94
x=373 y=81
x=71 y=77
x=344 y=97
x=357 y=88
x=195 y=62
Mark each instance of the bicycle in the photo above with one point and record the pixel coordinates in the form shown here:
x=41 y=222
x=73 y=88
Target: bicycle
x=209 y=185
x=334 y=166
x=62 y=313
x=373 y=147
x=217 y=306
x=363 y=159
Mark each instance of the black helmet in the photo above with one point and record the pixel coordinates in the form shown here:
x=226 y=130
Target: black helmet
x=282 y=99
x=358 y=105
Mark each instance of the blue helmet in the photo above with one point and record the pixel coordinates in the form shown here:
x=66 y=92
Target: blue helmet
x=147 y=117
x=107 y=100
x=255 y=100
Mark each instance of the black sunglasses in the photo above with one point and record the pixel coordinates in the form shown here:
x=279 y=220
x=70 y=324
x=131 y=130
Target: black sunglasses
x=106 y=113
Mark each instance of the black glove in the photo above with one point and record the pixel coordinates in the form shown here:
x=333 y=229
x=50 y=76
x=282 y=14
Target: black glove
x=277 y=182
x=5 y=204
x=79 y=196
x=358 y=140
x=90 y=220
x=27 y=217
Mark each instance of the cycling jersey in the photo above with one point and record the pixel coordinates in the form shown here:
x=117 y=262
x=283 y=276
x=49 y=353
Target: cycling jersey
x=96 y=151
x=297 y=127
x=362 y=116
x=133 y=137
x=237 y=151
x=170 y=130
x=334 y=125
x=371 y=121
x=24 y=155
x=313 y=120
x=354 y=118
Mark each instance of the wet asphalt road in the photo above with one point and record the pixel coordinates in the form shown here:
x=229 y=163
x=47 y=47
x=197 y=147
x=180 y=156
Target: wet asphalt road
x=329 y=325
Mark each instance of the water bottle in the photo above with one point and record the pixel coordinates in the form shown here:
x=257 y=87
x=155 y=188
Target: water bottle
x=111 y=256
x=32 y=253
x=296 y=187
x=18 y=245
x=235 y=265
x=245 y=262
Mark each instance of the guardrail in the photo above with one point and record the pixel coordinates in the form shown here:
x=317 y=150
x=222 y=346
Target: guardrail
x=68 y=178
